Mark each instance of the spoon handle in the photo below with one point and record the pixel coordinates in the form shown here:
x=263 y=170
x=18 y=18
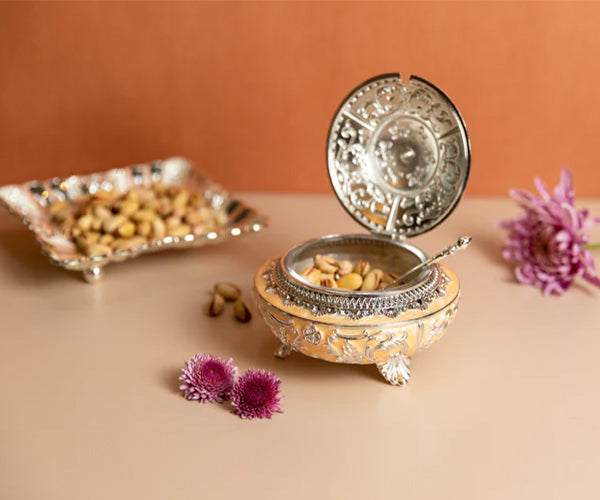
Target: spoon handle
x=463 y=242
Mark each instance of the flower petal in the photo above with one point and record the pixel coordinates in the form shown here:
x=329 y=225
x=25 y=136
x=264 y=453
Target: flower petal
x=541 y=187
x=546 y=240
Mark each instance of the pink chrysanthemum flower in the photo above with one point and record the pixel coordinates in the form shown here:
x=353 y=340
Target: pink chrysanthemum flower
x=547 y=240
x=256 y=394
x=208 y=378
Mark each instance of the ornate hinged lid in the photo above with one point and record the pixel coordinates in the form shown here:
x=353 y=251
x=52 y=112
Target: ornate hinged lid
x=398 y=155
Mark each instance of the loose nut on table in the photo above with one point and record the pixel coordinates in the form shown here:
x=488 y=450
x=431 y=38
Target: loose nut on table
x=228 y=291
x=241 y=311
x=216 y=305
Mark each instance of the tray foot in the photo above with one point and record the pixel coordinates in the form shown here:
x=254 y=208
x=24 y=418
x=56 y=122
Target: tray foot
x=92 y=274
x=396 y=369
x=283 y=351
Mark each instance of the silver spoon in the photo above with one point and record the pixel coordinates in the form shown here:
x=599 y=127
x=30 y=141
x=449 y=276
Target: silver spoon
x=462 y=243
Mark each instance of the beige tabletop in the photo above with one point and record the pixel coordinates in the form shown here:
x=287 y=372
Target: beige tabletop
x=505 y=406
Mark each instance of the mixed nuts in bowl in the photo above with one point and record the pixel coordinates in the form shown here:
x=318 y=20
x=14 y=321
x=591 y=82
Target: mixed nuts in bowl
x=327 y=271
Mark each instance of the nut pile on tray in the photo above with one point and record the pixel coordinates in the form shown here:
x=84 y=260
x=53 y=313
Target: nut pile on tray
x=109 y=221
x=328 y=272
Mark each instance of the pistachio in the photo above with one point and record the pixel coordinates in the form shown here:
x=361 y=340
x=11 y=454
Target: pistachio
x=241 y=311
x=106 y=239
x=352 y=281
x=362 y=268
x=172 y=222
x=164 y=206
x=193 y=217
x=146 y=195
x=159 y=188
x=179 y=212
x=105 y=195
x=205 y=214
x=158 y=229
x=345 y=267
x=312 y=274
x=199 y=229
x=180 y=199
x=144 y=214
x=97 y=225
x=128 y=207
x=85 y=223
x=126 y=230
x=378 y=272
x=216 y=305
x=228 y=291
x=88 y=238
x=144 y=228
x=111 y=224
x=387 y=279
x=101 y=212
x=370 y=282
x=325 y=264
x=97 y=249
x=128 y=243
x=179 y=231
x=151 y=205
x=132 y=195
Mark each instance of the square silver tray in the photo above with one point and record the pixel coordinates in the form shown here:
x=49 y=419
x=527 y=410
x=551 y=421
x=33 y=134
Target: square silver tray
x=30 y=202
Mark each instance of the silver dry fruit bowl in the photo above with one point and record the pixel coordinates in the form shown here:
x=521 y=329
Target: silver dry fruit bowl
x=398 y=159
x=383 y=327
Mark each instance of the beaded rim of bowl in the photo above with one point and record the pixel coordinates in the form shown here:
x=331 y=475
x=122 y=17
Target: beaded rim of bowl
x=294 y=290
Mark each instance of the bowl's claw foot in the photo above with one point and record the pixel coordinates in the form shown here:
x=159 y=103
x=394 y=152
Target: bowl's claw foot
x=396 y=369
x=283 y=351
x=92 y=274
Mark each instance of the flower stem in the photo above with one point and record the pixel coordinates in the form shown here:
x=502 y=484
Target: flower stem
x=592 y=246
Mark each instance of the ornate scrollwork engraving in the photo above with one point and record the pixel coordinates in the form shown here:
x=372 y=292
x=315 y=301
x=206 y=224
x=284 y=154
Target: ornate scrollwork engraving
x=392 y=140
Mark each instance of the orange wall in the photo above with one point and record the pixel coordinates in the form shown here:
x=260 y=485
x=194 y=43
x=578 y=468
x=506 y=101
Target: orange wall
x=247 y=89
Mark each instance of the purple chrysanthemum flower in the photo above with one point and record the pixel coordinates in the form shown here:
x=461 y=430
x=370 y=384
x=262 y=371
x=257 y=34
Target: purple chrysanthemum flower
x=256 y=394
x=208 y=378
x=547 y=240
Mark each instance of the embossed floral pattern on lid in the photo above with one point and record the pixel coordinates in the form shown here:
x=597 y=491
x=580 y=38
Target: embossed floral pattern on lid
x=398 y=155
